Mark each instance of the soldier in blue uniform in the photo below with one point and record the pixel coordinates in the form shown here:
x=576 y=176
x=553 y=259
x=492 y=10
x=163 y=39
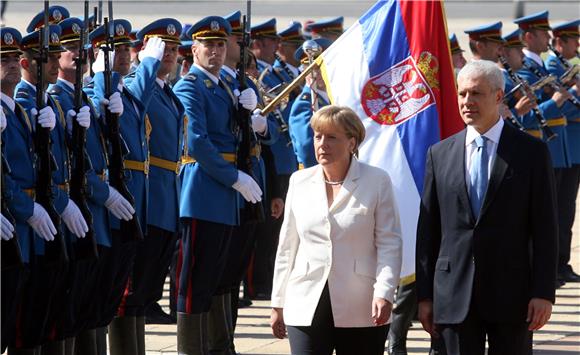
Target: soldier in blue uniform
x=135 y=129
x=313 y=97
x=210 y=183
x=330 y=29
x=290 y=39
x=166 y=118
x=565 y=41
x=485 y=41
x=457 y=58
x=101 y=198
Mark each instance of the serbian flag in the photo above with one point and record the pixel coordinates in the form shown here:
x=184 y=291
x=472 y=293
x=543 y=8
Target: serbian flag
x=393 y=68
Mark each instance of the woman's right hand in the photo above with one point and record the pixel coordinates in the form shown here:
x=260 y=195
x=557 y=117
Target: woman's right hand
x=277 y=323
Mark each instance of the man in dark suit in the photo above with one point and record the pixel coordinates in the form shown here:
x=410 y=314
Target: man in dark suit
x=487 y=231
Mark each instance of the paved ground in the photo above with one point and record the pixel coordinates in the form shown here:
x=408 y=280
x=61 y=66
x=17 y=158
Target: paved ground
x=560 y=337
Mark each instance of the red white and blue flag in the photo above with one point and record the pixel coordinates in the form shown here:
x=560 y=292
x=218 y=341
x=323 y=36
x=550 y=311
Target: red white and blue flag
x=393 y=67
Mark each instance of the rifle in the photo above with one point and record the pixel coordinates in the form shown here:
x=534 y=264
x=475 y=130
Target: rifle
x=85 y=248
x=11 y=254
x=525 y=90
x=55 y=251
x=129 y=229
x=252 y=211
x=91 y=52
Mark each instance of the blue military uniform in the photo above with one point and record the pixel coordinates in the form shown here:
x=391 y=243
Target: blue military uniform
x=558 y=146
x=301 y=113
x=290 y=36
x=570 y=176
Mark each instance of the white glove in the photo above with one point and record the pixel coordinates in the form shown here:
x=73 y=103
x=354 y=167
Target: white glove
x=46 y=118
x=248 y=99
x=2 y=120
x=7 y=228
x=99 y=63
x=259 y=122
x=248 y=187
x=114 y=103
x=41 y=223
x=83 y=118
x=118 y=205
x=154 y=48
x=74 y=220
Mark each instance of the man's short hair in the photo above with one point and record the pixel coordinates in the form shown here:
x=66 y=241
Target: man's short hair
x=485 y=68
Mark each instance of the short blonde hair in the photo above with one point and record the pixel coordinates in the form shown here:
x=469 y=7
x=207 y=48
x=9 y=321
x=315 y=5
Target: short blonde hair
x=343 y=117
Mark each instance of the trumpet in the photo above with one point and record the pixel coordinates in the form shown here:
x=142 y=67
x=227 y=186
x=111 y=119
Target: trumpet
x=571 y=72
x=268 y=94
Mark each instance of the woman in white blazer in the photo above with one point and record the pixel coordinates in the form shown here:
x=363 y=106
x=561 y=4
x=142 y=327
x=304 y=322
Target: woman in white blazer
x=339 y=255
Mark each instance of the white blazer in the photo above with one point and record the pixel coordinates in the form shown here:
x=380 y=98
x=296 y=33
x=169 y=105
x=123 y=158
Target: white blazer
x=355 y=245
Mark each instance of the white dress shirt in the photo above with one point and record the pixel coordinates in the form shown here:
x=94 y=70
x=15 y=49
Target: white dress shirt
x=493 y=134
x=533 y=56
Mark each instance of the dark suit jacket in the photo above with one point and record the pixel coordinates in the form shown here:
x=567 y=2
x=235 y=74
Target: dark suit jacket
x=498 y=262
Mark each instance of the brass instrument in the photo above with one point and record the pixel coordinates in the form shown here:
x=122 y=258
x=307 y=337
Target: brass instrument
x=312 y=50
x=267 y=94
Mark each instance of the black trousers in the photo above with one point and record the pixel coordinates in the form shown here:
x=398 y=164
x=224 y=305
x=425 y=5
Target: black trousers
x=202 y=258
x=152 y=260
x=468 y=338
x=322 y=337
x=12 y=281
x=567 y=193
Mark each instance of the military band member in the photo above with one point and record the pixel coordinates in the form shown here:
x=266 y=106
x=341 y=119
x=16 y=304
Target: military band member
x=457 y=57
x=166 y=119
x=135 y=129
x=485 y=41
x=290 y=39
x=565 y=41
x=330 y=29
x=312 y=98
x=209 y=205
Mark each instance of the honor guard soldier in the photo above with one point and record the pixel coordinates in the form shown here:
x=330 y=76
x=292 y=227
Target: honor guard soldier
x=565 y=43
x=85 y=292
x=516 y=106
x=330 y=29
x=136 y=46
x=48 y=274
x=457 y=57
x=536 y=38
x=17 y=187
x=290 y=39
x=485 y=41
x=135 y=130
x=209 y=205
x=312 y=98
x=166 y=119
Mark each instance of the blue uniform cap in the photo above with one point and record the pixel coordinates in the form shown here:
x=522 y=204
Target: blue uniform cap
x=334 y=26
x=235 y=21
x=10 y=40
x=55 y=15
x=489 y=32
x=92 y=22
x=292 y=33
x=71 y=29
x=265 y=29
x=122 y=29
x=211 y=27
x=185 y=48
x=454 y=44
x=301 y=56
x=32 y=40
x=513 y=39
x=168 y=29
x=566 y=29
x=185 y=29
x=135 y=42
x=537 y=21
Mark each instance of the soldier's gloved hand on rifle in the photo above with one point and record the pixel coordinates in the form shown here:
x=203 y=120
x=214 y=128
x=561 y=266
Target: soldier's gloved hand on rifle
x=154 y=48
x=99 y=63
x=2 y=121
x=7 y=228
x=114 y=103
x=74 y=220
x=248 y=187
x=259 y=122
x=45 y=117
x=248 y=99
x=118 y=205
x=83 y=118
x=41 y=223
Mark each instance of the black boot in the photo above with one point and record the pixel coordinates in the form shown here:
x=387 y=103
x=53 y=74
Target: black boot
x=86 y=343
x=140 y=329
x=192 y=334
x=219 y=324
x=23 y=351
x=53 y=348
x=69 y=346
x=123 y=336
x=101 y=333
